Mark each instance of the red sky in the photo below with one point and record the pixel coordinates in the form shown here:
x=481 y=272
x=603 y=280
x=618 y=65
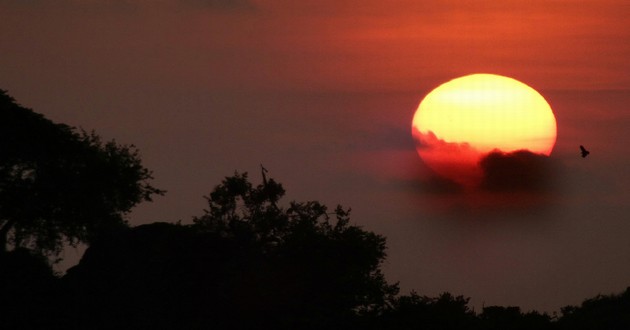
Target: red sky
x=323 y=92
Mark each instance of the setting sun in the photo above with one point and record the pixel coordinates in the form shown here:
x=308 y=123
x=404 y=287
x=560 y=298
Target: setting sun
x=464 y=119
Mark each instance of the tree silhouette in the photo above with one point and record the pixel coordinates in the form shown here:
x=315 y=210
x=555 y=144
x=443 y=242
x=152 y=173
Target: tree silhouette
x=421 y=312
x=247 y=263
x=58 y=185
x=323 y=271
x=511 y=318
x=28 y=296
x=155 y=276
x=605 y=312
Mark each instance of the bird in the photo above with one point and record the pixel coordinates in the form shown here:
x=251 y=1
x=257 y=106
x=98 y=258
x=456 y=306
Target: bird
x=584 y=151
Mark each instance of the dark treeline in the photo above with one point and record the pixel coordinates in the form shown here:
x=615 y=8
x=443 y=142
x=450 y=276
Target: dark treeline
x=251 y=261
x=315 y=275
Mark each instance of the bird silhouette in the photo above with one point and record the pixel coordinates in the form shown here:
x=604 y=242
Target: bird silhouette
x=584 y=151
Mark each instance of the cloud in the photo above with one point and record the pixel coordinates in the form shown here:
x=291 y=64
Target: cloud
x=426 y=141
x=520 y=170
x=518 y=184
x=457 y=161
x=497 y=171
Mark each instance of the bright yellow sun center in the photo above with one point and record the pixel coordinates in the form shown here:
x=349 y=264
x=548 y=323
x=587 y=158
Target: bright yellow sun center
x=467 y=117
x=488 y=111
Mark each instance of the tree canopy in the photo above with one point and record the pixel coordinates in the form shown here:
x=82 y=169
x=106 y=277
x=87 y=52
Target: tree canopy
x=316 y=253
x=62 y=185
x=249 y=262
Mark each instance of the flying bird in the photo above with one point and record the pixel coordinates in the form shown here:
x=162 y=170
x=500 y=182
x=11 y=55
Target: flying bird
x=584 y=151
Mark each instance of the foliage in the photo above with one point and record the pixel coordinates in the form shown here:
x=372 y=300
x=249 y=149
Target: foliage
x=27 y=291
x=506 y=318
x=315 y=256
x=601 y=312
x=247 y=263
x=58 y=185
x=421 y=312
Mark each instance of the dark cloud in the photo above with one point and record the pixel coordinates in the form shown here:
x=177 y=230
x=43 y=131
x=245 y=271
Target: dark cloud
x=517 y=171
x=515 y=185
x=520 y=170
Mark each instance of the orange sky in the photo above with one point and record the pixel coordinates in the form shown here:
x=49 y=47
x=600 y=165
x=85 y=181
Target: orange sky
x=371 y=45
x=394 y=45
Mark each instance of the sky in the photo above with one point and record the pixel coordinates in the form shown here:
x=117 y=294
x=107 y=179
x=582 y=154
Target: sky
x=322 y=93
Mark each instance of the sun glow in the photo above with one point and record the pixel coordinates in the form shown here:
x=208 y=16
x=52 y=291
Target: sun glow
x=464 y=119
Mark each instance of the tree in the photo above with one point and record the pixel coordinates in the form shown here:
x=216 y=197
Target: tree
x=59 y=185
x=311 y=266
x=601 y=312
x=421 y=312
x=511 y=318
x=28 y=298
x=247 y=263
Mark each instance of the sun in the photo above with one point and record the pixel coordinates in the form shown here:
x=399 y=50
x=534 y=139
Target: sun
x=464 y=119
